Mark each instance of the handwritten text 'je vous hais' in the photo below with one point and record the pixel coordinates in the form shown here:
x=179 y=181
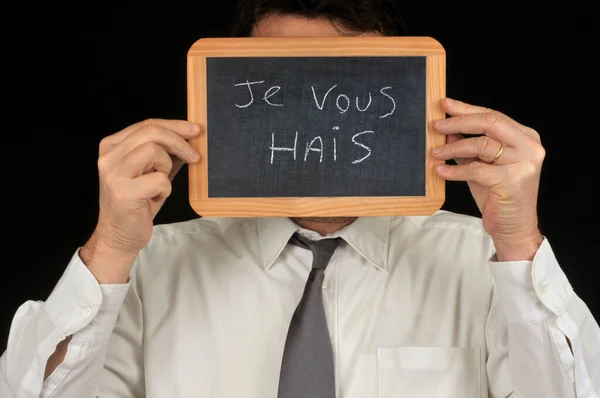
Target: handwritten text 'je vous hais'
x=342 y=103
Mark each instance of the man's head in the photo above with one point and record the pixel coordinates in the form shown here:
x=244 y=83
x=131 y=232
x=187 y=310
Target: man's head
x=346 y=17
x=318 y=18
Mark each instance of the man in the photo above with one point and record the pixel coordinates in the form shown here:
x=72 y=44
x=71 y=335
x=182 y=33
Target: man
x=440 y=306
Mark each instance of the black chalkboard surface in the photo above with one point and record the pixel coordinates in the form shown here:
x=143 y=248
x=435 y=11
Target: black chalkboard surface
x=315 y=126
x=323 y=126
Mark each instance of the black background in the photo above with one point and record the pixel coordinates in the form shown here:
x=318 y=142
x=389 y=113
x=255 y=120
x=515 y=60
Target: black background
x=75 y=74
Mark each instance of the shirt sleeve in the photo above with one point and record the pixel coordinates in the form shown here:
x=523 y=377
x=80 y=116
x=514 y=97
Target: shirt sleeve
x=543 y=316
x=78 y=307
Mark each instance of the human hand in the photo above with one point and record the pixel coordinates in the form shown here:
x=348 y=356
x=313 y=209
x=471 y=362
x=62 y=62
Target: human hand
x=135 y=167
x=502 y=168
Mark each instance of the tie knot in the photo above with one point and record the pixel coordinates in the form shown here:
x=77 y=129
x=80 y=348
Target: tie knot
x=321 y=249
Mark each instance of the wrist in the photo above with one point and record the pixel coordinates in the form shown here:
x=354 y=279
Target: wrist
x=109 y=266
x=519 y=249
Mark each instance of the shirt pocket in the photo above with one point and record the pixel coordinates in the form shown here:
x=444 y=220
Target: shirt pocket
x=432 y=372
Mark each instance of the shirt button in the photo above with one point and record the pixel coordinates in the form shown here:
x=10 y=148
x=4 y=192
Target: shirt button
x=86 y=312
x=325 y=285
x=542 y=288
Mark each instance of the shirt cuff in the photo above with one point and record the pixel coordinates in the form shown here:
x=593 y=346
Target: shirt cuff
x=78 y=298
x=532 y=290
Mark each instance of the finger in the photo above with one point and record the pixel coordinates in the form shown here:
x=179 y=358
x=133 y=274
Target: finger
x=155 y=186
x=475 y=171
x=173 y=143
x=482 y=147
x=145 y=158
x=182 y=127
x=456 y=108
x=493 y=124
x=455 y=138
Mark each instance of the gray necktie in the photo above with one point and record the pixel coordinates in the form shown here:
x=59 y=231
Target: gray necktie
x=307 y=369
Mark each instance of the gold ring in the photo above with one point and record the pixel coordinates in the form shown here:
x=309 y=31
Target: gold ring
x=498 y=154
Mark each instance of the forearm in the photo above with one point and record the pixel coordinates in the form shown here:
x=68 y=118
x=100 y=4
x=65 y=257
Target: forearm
x=109 y=266
x=40 y=358
x=80 y=371
x=553 y=338
x=518 y=248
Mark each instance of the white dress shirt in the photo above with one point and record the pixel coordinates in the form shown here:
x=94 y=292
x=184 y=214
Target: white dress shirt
x=416 y=307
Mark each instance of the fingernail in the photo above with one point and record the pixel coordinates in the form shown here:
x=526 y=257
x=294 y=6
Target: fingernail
x=442 y=168
x=440 y=122
x=194 y=155
x=451 y=102
x=194 y=128
x=437 y=150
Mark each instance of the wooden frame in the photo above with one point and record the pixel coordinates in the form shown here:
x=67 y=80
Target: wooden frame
x=205 y=206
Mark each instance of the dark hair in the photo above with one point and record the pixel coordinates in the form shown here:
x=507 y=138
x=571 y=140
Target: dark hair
x=381 y=16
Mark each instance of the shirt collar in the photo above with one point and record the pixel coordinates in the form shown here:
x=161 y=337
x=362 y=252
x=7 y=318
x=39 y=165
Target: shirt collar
x=369 y=236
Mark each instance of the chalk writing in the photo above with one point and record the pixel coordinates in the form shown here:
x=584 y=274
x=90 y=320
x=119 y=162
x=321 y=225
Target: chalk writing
x=322 y=104
x=268 y=94
x=354 y=137
x=368 y=105
x=342 y=101
x=390 y=113
x=323 y=145
x=274 y=148
x=309 y=147
x=279 y=126
x=335 y=144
